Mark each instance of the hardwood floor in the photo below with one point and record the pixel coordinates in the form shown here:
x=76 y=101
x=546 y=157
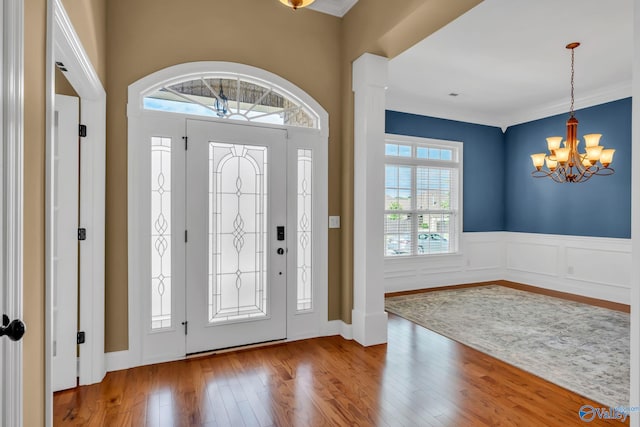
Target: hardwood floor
x=418 y=379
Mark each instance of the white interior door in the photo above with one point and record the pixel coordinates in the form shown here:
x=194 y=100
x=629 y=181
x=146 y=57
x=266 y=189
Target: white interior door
x=64 y=242
x=236 y=252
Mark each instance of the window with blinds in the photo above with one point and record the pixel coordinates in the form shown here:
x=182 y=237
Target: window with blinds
x=422 y=196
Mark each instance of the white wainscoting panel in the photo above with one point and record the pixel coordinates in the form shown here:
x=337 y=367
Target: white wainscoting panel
x=532 y=257
x=599 y=266
x=589 y=266
x=480 y=259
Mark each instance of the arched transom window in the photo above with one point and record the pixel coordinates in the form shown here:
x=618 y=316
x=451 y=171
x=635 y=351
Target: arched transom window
x=234 y=97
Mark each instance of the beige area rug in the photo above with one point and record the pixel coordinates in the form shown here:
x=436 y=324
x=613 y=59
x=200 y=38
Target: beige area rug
x=577 y=346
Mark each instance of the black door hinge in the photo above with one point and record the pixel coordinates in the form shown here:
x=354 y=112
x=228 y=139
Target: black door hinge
x=82 y=131
x=185 y=324
x=186 y=142
x=82 y=234
x=186 y=237
x=80 y=337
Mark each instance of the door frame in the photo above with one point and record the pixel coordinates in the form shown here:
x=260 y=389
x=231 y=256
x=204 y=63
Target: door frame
x=299 y=325
x=12 y=128
x=64 y=45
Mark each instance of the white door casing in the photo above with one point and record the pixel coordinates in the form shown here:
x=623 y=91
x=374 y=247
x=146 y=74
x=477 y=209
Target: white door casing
x=64 y=46
x=2 y=238
x=236 y=264
x=11 y=205
x=64 y=199
x=300 y=324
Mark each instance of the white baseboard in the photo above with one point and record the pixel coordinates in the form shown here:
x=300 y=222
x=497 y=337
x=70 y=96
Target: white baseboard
x=618 y=294
x=369 y=328
x=338 y=327
x=118 y=360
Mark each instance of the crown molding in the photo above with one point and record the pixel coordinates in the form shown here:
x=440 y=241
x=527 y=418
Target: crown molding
x=410 y=104
x=337 y=8
x=601 y=96
x=406 y=103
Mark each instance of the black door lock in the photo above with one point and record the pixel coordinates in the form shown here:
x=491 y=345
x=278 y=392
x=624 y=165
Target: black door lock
x=14 y=329
x=280 y=251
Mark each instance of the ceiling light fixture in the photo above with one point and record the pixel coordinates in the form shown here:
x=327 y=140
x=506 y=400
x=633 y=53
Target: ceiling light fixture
x=295 y=4
x=222 y=102
x=566 y=164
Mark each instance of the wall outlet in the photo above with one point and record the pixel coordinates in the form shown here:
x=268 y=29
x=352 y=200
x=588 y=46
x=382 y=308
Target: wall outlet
x=334 y=222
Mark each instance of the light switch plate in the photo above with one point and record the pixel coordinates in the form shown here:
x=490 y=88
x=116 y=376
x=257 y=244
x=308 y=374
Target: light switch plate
x=334 y=222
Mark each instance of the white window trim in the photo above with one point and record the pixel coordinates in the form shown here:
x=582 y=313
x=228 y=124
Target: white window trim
x=205 y=69
x=240 y=77
x=300 y=325
x=456 y=145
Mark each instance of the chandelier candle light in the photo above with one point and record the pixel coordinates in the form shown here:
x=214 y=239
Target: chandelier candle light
x=295 y=4
x=566 y=164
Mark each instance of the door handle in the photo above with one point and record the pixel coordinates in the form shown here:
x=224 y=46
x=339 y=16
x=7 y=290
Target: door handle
x=14 y=329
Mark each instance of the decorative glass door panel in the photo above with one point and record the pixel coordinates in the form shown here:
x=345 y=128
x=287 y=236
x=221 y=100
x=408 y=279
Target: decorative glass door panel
x=237 y=232
x=236 y=259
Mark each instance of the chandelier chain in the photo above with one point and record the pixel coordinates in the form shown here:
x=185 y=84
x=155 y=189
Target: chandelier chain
x=572 y=75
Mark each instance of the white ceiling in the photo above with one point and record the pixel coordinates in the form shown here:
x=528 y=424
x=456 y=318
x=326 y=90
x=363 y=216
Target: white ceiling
x=507 y=61
x=333 y=7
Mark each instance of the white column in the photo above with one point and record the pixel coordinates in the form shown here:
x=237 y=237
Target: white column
x=635 y=225
x=369 y=84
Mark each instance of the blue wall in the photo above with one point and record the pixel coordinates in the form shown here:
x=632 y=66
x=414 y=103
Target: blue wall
x=501 y=195
x=599 y=207
x=483 y=196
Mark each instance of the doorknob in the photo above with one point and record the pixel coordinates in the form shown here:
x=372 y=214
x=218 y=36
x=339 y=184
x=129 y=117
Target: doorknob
x=14 y=329
x=280 y=251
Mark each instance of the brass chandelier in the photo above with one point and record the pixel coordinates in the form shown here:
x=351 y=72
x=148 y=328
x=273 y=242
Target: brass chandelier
x=295 y=4
x=566 y=163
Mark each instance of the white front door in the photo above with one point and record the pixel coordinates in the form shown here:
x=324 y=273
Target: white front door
x=236 y=252
x=64 y=242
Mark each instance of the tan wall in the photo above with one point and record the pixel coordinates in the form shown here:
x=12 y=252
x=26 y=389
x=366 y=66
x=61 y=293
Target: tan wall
x=89 y=18
x=63 y=87
x=385 y=28
x=34 y=153
x=312 y=50
x=302 y=47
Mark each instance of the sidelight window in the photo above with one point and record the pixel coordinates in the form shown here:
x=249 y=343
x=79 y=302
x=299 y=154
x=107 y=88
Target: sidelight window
x=304 y=233
x=160 y=232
